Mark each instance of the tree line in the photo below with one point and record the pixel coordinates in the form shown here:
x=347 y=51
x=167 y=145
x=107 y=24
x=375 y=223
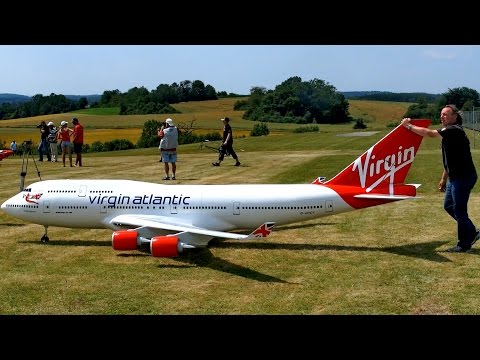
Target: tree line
x=137 y=100
x=463 y=97
x=292 y=101
x=41 y=105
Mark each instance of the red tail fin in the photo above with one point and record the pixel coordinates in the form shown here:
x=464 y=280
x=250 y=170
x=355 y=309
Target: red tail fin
x=386 y=162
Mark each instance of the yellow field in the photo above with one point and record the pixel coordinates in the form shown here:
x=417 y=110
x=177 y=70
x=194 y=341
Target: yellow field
x=205 y=116
x=381 y=113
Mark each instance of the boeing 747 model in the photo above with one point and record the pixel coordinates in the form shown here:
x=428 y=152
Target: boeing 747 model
x=166 y=219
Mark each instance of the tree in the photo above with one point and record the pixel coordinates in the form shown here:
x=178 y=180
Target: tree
x=459 y=96
x=297 y=101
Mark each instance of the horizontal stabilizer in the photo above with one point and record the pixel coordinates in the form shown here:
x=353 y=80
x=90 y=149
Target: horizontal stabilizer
x=385 y=197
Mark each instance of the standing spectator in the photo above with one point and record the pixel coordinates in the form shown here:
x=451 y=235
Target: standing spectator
x=168 y=147
x=227 y=143
x=52 y=140
x=43 y=146
x=13 y=147
x=459 y=174
x=77 y=138
x=64 y=136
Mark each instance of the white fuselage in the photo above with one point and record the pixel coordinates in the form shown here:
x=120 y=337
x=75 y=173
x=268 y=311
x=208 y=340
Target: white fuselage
x=93 y=203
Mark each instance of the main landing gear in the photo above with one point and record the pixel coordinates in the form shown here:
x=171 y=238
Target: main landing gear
x=45 y=238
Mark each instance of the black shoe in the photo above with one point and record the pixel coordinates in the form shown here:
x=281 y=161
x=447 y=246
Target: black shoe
x=216 y=164
x=457 y=249
x=237 y=163
x=166 y=178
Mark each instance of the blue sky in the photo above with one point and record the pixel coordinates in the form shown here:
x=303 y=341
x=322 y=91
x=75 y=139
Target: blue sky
x=92 y=69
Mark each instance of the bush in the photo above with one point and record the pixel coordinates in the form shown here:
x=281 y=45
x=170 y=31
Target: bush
x=310 y=128
x=359 y=124
x=259 y=130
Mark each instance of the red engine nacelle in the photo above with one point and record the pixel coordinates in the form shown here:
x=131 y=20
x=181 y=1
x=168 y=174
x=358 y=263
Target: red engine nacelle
x=164 y=246
x=124 y=240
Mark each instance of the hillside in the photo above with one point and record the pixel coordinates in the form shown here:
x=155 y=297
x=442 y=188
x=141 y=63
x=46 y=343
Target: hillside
x=18 y=99
x=13 y=98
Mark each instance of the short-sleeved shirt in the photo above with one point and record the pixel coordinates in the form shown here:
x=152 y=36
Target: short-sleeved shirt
x=169 y=140
x=227 y=129
x=456 y=155
x=52 y=135
x=78 y=134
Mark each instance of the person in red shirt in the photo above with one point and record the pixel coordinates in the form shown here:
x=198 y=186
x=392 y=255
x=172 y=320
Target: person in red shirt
x=77 y=138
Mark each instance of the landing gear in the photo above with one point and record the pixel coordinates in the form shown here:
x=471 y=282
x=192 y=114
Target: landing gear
x=45 y=238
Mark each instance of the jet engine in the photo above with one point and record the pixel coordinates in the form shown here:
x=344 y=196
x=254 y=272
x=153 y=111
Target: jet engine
x=124 y=240
x=158 y=246
x=165 y=246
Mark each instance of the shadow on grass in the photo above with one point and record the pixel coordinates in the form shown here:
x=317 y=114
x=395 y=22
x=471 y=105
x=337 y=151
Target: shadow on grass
x=426 y=251
x=70 y=243
x=195 y=257
x=301 y=226
x=12 y=224
x=204 y=258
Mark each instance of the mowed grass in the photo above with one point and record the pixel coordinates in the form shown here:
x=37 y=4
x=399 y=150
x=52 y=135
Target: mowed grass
x=387 y=259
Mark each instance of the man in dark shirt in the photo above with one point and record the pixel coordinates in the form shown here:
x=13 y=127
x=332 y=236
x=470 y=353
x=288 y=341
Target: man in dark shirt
x=459 y=175
x=43 y=146
x=227 y=143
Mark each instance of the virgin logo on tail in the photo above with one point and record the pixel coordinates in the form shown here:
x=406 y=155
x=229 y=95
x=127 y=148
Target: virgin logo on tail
x=386 y=167
x=388 y=160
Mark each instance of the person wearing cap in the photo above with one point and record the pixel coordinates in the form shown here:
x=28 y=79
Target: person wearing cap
x=168 y=147
x=77 y=139
x=52 y=141
x=459 y=174
x=64 y=136
x=227 y=143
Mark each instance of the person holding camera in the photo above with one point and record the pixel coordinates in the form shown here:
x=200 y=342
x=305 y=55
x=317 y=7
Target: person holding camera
x=168 y=147
x=43 y=146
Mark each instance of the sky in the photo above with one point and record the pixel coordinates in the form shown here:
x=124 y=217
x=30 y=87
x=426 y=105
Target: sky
x=93 y=69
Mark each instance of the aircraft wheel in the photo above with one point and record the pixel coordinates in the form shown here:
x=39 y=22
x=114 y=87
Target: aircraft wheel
x=44 y=239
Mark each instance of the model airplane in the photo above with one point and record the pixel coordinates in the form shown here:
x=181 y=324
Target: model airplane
x=5 y=153
x=166 y=219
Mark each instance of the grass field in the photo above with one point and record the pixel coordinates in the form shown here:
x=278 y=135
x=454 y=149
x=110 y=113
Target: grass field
x=388 y=259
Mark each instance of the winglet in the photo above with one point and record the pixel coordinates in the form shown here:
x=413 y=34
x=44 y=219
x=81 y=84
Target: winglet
x=262 y=231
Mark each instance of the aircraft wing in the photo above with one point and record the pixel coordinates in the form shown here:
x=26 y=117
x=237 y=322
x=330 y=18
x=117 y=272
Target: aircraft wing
x=164 y=223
